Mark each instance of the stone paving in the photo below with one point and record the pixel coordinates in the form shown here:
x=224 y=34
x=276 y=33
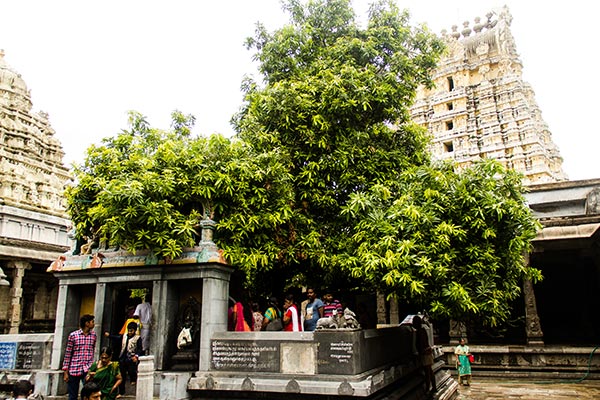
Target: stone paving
x=508 y=389
x=501 y=389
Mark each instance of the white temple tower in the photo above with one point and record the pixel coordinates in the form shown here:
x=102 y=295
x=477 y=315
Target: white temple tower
x=33 y=219
x=32 y=174
x=480 y=106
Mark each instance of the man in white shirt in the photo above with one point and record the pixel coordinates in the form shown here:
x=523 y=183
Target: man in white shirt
x=144 y=311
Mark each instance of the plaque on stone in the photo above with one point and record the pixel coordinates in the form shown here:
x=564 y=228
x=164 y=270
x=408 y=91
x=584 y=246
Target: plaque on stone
x=238 y=355
x=8 y=355
x=30 y=355
x=337 y=355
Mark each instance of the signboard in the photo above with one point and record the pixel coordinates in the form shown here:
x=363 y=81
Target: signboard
x=336 y=355
x=236 y=355
x=8 y=355
x=21 y=355
x=30 y=355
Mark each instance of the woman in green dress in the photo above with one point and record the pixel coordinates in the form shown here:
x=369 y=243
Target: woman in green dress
x=106 y=374
x=462 y=363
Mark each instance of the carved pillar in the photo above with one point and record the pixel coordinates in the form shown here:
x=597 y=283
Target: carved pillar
x=215 y=294
x=16 y=295
x=458 y=330
x=381 y=317
x=394 y=313
x=533 y=328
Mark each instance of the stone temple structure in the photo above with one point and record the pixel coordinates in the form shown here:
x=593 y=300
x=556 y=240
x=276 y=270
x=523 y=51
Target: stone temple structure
x=480 y=106
x=33 y=221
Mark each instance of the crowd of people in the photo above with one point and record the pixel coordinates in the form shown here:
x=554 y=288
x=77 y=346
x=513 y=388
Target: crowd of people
x=289 y=316
x=108 y=375
x=105 y=378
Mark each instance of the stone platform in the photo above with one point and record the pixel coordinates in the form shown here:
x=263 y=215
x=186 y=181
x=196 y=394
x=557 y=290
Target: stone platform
x=531 y=362
x=328 y=364
x=521 y=389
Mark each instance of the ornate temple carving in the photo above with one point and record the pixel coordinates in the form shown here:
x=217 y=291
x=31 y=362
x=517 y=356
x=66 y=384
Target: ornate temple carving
x=592 y=202
x=480 y=106
x=32 y=174
x=533 y=327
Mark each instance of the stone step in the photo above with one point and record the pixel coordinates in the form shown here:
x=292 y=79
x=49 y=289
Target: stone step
x=65 y=397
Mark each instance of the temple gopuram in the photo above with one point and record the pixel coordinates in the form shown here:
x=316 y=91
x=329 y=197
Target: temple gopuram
x=33 y=221
x=480 y=106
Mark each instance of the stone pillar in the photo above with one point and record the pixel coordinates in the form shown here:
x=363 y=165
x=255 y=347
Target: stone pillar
x=381 y=314
x=99 y=302
x=533 y=328
x=394 y=313
x=145 y=380
x=164 y=302
x=67 y=320
x=215 y=292
x=16 y=295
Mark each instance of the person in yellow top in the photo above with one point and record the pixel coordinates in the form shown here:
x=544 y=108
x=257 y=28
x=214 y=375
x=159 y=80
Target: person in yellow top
x=136 y=319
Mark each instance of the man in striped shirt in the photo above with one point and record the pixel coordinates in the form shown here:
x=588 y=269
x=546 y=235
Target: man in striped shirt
x=79 y=355
x=331 y=307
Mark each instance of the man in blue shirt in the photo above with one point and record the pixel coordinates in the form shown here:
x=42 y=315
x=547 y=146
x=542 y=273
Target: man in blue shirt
x=314 y=310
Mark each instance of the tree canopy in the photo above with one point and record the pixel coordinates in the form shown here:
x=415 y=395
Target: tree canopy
x=452 y=243
x=149 y=189
x=327 y=177
x=334 y=99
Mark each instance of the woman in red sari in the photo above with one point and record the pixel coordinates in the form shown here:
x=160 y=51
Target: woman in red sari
x=291 y=315
x=237 y=322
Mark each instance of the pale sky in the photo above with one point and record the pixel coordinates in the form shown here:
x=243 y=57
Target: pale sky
x=87 y=63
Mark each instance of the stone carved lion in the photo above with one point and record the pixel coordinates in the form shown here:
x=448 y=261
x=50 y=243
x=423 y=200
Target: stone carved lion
x=346 y=321
x=350 y=320
x=331 y=322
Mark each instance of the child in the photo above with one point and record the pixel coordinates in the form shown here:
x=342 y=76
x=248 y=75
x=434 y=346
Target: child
x=131 y=349
x=22 y=389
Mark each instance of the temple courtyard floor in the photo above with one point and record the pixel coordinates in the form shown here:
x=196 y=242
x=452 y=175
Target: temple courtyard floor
x=507 y=389
x=521 y=389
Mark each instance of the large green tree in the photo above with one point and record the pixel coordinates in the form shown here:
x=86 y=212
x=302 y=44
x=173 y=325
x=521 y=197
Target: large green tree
x=327 y=178
x=334 y=98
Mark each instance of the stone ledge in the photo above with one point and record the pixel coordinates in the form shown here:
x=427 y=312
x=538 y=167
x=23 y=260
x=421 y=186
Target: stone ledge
x=362 y=385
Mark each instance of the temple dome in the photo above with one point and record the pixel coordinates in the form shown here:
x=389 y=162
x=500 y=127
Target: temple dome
x=13 y=90
x=32 y=173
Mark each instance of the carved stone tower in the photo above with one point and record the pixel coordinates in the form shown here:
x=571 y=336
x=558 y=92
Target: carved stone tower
x=32 y=175
x=33 y=221
x=481 y=108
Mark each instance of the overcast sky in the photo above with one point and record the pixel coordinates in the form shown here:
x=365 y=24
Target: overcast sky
x=87 y=63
